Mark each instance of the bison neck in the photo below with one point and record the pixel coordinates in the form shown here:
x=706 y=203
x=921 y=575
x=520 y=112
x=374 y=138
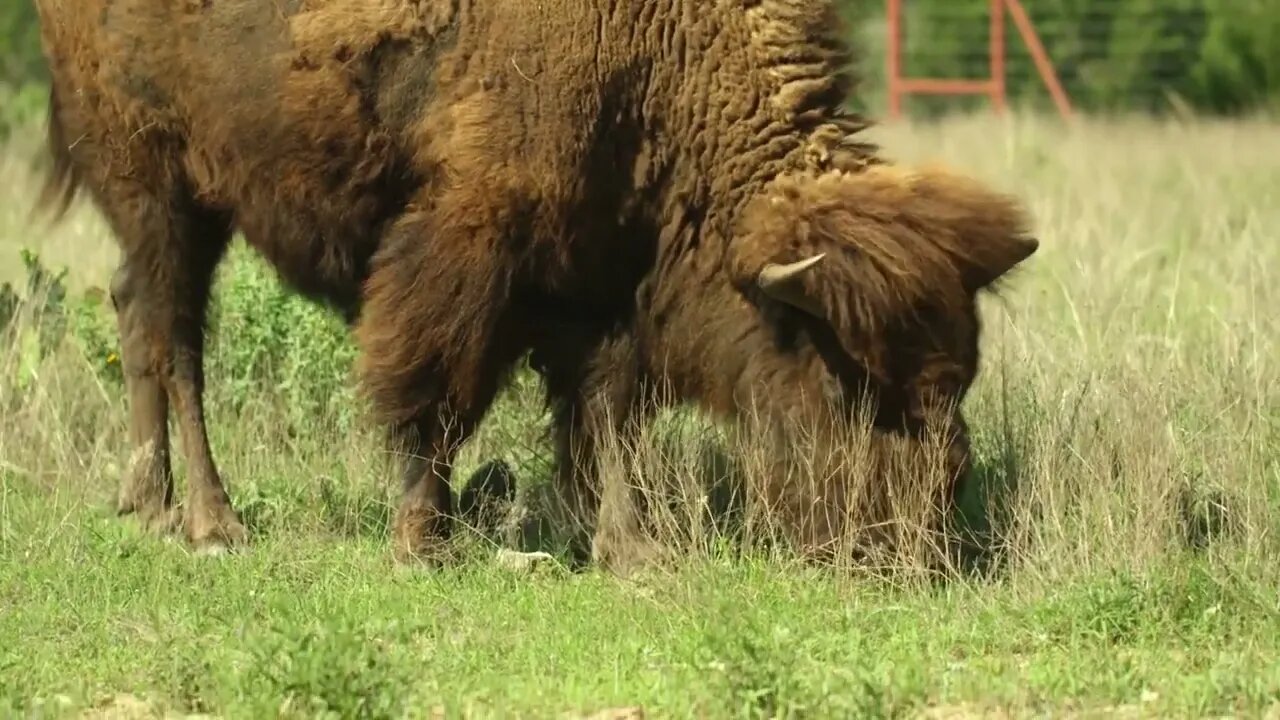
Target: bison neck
x=737 y=96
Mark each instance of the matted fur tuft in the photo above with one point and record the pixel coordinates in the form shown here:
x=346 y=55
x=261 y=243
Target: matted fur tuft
x=898 y=243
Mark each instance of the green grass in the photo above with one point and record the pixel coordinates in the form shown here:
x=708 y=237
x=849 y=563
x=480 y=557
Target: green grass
x=1127 y=422
x=332 y=623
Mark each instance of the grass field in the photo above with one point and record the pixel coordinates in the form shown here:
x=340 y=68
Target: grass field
x=1127 y=421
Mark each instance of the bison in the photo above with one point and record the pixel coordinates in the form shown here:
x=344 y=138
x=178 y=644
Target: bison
x=649 y=198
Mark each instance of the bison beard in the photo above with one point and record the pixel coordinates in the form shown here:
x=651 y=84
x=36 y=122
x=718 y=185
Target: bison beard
x=656 y=198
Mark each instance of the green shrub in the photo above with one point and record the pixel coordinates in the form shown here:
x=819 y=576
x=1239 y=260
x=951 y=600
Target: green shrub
x=269 y=345
x=20 y=58
x=20 y=106
x=266 y=345
x=269 y=353
x=1238 y=66
x=33 y=319
x=22 y=66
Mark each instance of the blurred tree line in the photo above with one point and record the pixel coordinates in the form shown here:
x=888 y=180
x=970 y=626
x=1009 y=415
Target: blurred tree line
x=20 y=58
x=1213 y=56
x=22 y=67
x=1206 y=56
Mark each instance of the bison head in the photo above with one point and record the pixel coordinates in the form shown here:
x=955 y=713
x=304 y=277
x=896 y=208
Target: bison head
x=872 y=277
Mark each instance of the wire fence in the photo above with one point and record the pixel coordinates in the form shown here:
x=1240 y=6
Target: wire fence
x=1211 y=56
x=1214 y=56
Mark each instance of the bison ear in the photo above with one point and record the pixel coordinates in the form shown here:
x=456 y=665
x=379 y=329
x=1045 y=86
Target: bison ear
x=785 y=283
x=994 y=257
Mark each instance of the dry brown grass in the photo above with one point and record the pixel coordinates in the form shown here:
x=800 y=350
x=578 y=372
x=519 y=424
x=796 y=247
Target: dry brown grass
x=1130 y=371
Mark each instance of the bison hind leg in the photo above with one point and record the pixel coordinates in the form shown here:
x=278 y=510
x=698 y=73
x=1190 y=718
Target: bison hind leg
x=147 y=487
x=169 y=250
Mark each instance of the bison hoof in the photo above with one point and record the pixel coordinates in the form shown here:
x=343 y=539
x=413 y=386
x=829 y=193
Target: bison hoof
x=147 y=501
x=156 y=517
x=431 y=554
x=215 y=531
x=625 y=556
x=421 y=536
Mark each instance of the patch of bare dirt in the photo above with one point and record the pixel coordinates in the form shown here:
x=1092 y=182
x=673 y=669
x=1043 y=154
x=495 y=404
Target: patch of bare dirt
x=131 y=707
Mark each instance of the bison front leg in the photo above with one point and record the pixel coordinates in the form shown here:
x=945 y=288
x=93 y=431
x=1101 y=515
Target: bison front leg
x=424 y=520
x=602 y=518
x=576 y=480
x=600 y=413
x=160 y=293
x=605 y=498
x=437 y=332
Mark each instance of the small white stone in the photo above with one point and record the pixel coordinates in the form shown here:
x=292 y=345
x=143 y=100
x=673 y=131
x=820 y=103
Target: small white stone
x=212 y=550
x=521 y=561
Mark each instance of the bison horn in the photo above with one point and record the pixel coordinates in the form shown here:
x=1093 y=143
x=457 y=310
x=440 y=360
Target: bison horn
x=782 y=283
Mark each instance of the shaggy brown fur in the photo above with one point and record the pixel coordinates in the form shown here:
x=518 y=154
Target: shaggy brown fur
x=470 y=180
